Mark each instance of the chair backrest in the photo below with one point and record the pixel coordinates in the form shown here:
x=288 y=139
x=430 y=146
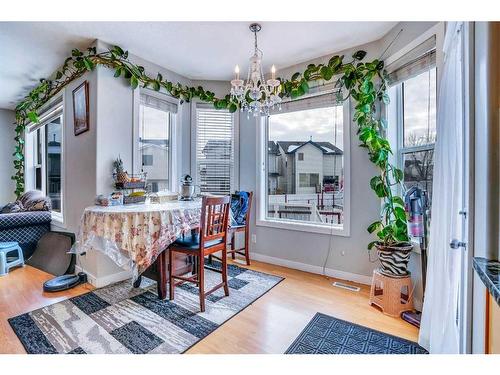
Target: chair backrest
x=247 y=215
x=214 y=219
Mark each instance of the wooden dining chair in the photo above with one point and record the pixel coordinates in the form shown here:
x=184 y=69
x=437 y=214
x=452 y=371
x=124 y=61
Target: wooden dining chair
x=244 y=228
x=210 y=239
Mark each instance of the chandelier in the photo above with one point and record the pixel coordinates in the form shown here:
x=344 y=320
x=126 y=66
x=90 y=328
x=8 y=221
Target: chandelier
x=256 y=95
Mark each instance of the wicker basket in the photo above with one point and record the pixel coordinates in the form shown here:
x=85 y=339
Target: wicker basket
x=134 y=199
x=131 y=185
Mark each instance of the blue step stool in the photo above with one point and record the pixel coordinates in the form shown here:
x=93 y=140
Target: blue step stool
x=5 y=248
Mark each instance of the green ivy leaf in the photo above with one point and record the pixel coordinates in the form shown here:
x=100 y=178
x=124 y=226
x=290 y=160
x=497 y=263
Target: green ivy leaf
x=305 y=86
x=326 y=73
x=359 y=55
x=397 y=174
x=398 y=201
x=33 y=117
x=118 y=72
x=232 y=107
x=134 y=82
x=374 y=226
x=118 y=50
x=88 y=64
x=400 y=214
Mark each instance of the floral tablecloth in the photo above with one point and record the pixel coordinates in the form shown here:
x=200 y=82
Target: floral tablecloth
x=134 y=235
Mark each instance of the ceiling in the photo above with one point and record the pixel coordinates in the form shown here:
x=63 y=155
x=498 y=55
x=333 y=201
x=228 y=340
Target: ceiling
x=197 y=50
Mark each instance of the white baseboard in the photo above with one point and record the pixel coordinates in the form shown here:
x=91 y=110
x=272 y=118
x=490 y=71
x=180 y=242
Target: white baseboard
x=100 y=282
x=342 y=275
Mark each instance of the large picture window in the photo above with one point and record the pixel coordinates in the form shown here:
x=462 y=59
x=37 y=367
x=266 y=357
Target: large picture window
x=45 y=164
x=413 y=102
x=305 y=164
x=156 y=117
x=215 y=150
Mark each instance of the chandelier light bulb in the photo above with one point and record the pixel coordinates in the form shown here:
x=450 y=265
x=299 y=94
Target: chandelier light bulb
x=237 y=72
x=273 y=72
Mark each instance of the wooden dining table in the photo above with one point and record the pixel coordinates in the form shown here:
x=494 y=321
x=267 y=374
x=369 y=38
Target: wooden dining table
x=136 y=236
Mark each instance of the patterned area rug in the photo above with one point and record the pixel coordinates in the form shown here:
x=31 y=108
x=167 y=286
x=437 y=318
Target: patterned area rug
x=325 y=334
x=122 y=319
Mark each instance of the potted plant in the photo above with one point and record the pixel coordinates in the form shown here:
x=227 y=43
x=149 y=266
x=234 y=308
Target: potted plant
x=393 y=244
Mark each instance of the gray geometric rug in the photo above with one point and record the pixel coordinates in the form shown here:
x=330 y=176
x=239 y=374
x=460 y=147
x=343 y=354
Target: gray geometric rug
x=325 y=334
x=122 y=319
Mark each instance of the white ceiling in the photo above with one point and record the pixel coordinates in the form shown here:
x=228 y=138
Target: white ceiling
x=197 y=50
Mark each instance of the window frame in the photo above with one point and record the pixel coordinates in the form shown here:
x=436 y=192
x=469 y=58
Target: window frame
x=401 y=149
x=54 y=108
x=195 y=104
x=262 y=133
x=174 y=119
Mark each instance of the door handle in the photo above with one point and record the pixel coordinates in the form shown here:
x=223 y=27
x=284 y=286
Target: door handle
x=455 y=244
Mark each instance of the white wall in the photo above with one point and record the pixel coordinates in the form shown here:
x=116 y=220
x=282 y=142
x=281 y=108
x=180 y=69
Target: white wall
x=7 y=134
x=114 y=115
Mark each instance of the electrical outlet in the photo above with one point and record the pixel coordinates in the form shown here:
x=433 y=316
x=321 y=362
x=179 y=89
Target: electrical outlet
x=342 y=252
x=254 y=238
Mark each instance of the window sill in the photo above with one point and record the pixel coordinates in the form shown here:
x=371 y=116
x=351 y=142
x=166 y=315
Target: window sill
x=57 y=219
x=304 y=227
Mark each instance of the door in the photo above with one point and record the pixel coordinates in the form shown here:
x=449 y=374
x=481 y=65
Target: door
x=464 y=245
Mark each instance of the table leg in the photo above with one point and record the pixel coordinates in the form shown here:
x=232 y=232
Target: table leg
x=162 y=276
x=137 y=283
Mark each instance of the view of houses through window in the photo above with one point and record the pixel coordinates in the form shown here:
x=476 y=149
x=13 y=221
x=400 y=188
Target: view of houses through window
x=215 y=153
x=305 y=174
x=416 y=153
x=154 y=136
x=47 y=162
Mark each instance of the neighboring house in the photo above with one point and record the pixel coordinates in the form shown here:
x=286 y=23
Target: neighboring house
x=274 y=167
x=155 y=162
x=303 y=167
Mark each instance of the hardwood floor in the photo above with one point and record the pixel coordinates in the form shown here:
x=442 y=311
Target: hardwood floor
x=269 y=325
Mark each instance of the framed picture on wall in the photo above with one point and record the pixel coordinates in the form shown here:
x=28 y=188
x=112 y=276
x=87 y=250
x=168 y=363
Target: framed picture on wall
x=81 y=108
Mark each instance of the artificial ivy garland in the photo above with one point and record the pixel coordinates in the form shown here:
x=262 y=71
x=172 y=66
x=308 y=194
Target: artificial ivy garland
x=354 y=78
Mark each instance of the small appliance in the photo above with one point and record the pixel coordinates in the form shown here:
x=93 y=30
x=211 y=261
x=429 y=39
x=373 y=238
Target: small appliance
x=187 y=190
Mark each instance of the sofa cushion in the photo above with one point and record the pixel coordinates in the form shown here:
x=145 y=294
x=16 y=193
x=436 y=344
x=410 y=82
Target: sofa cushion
x=12 y=207
x=35 y=200
x=192 y=242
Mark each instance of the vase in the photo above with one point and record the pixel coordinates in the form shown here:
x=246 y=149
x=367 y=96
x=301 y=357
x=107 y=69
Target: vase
x=394 y=259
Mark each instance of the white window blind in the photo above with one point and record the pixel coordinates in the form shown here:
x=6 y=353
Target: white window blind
x=413 y=63
x=215 y=155
x=159 y=104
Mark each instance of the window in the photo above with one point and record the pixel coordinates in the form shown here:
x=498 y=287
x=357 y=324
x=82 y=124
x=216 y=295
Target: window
x=309 y=180
x=44 y=165
x=413 y=98
x=156 y=118
x=147 y=160
x=215 y=150
x=308 y=195
x=53 y=142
